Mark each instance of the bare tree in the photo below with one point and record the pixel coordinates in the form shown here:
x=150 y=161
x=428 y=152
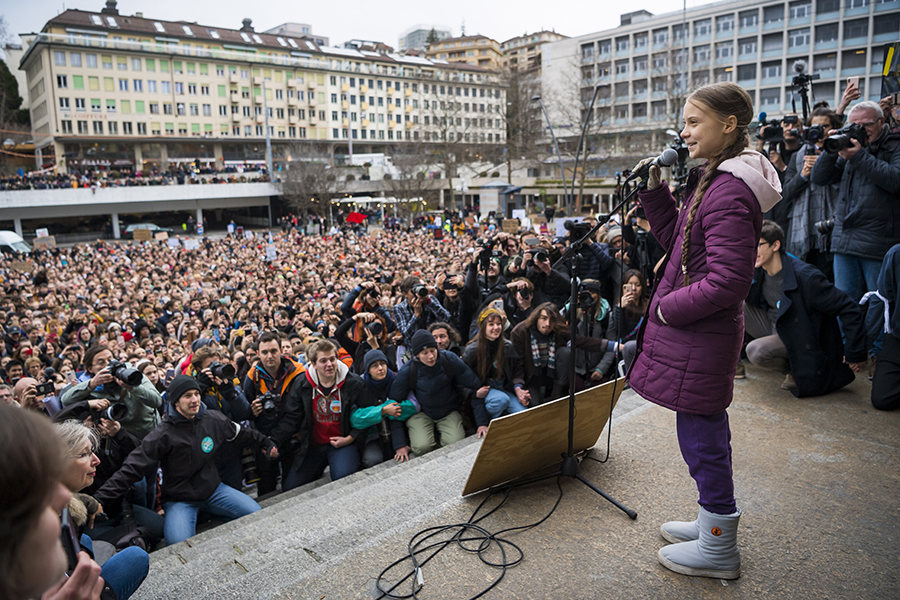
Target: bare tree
x=310 y=182
x=522 y=118
x=416 y=173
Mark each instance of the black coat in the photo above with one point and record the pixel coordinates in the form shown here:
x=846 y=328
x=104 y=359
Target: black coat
x=867 y=219
x=807 y=325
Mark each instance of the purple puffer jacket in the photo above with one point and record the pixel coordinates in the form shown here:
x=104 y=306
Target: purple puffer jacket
x=687 y=361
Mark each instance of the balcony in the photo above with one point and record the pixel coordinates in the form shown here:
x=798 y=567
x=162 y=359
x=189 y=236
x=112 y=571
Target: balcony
x=365 y=122
x=886 y=6
x=389 y=91
x=345 y=105
x=293 y=120
x=409 y=109
x=312 y=99
x=311 y=84
x=773 y=25
x=236 y=118
x=345 y=87
x=233 y=77
x=773 y=53
x=260 y=118
x=293 y=83
x=363 y=106
x=409 y=124
x=407 y=92
x=391 y=124
x=827 y=16
x=363 y=88
x=235 y=95
x=391 y=107
x=855 y=12
x=293 y=102
x=748 y=30
x=313 y=120
x=257 y=80
x=345 y=123
x=826 y=45
x=800 y=21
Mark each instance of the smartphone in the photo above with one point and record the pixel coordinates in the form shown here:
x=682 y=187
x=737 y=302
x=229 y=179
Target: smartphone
x=629 y=288
x=70 y=376
x=895 y=98
x=854 y=81
x=70 y=541
x=45 y=389
x=170 y=375
x=120 y=339
x=240 y=332
x=532 y=241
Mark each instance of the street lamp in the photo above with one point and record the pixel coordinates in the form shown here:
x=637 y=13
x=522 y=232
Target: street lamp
x=562 y=171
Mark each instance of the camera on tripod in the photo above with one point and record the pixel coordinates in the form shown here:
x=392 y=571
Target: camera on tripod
x=577 y=229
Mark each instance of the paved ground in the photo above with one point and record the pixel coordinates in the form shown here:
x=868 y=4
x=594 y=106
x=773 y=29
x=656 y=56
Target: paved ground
x=817 y=480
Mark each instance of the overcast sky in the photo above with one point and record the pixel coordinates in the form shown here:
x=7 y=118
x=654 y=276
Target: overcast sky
x=355 y=19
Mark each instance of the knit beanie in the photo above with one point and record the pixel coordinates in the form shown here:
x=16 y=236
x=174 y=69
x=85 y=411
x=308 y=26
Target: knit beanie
x=421 y=340
x=180 y=386
x=371 y=357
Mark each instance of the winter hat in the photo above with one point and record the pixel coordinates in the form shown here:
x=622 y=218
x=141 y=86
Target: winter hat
x=180 y=386
x=421 y=340
x=199 y=343
x=372 y=356
x=490 y=311
x=613 y=232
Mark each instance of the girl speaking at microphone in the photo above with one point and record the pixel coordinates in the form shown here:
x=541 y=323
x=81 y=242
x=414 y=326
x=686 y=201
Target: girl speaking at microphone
x=692 y=336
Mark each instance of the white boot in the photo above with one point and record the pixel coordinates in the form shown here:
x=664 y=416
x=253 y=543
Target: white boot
x=680 y=531
x=714 y=554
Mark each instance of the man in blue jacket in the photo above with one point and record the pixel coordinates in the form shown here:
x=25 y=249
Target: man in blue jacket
x=886 y=382
x=433 y=376
x=791 y=312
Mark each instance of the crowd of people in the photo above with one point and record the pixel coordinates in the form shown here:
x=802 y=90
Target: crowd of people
x=93 y=178
x=191 y=382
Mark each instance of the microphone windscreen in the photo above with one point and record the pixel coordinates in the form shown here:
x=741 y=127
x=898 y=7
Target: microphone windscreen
x=762 y=117
x=668 y=158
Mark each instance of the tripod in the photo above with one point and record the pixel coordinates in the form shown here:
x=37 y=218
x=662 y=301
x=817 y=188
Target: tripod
x=569 y=466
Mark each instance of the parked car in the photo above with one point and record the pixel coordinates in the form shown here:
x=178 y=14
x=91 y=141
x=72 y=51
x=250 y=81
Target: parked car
x=154 y=229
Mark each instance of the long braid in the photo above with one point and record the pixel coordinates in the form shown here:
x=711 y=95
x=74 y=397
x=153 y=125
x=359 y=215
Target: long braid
x=709 y=175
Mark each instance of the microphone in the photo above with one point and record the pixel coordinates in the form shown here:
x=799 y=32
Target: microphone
x=762 y=118
x=668 y=158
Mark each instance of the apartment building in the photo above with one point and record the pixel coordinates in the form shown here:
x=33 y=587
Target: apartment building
x=132 y=92
x=474 y=50
x=523 y=53
x=416 y=37
x=644 y=68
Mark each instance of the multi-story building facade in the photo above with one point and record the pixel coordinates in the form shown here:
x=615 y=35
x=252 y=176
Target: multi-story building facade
x=474 y=50
x=130 y=91
x=523 y=53
x=646 y=67
x=416 y=37
x=299 y=31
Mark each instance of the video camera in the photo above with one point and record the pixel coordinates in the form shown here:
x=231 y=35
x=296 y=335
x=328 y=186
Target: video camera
x=486 y=252
x=772 y=130
x=577 y=230
x=841 y=139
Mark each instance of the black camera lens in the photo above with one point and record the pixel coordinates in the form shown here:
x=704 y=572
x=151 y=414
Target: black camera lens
x=122 y=372
x=115 y=412
x=222 y=370
x=525 y=293
x=375 y=327
x=541 y=256
x=420 y=290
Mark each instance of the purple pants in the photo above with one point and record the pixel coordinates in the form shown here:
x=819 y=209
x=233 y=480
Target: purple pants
x=705 y=442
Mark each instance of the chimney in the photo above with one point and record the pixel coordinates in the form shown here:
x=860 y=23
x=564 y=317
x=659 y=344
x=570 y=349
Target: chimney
x=246 y=24
x=110 y=8
x=139 y=15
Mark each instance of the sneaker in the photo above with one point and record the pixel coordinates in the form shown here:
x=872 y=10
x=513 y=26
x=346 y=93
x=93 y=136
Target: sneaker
x=788 y=383
x=739 y=371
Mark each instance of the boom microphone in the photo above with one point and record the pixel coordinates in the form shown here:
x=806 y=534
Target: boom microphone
x=668 y=158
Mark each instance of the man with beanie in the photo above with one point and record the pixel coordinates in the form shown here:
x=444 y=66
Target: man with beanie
x=433 y=375
x=185 y=444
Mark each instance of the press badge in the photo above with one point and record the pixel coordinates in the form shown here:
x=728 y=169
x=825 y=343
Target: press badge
x=336 y=406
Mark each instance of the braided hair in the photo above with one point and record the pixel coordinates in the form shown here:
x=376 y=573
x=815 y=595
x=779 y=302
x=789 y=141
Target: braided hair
x=722 y=100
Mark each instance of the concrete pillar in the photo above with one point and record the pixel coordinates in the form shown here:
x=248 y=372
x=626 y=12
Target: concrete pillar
x=441 y=198
x=62 y=164
x=220 y=158
x=38 y=158
x=138 y=157
x=199 y=218
x=163 y=157
x=117 y=234
x=17 y=225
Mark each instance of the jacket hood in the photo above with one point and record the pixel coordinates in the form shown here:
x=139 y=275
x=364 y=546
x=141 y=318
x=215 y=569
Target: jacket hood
x=341 y=375
x=757 y=172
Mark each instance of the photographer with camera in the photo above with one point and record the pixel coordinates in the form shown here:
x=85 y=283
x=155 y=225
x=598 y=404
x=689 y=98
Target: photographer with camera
x=810 y=207
x=549 y=282
x=117 y=382
x=267 y=387
x=372 y=331
x=864 y=158
x=221 y=391
x=459 y=295
x=418 y=310
x=366 y=297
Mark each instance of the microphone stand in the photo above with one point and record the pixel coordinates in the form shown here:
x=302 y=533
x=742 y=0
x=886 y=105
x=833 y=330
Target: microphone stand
x=569 y=466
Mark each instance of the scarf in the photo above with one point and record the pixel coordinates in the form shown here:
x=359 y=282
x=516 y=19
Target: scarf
x=536 y=351
x=380 y=386
x=813 y=204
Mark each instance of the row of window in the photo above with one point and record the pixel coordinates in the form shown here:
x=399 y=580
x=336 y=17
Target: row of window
x=414 y=135
x=800 y=9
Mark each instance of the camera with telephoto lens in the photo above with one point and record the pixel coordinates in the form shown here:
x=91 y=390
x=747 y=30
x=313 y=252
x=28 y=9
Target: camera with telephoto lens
x=841 y=139
x=375 y=327
x=420 y=291
x=825 y=227
x=113 y=412
x=222 y=370
x=813 y=134
x=541 y=256
x=269 y=402
x=585 y=300
x=123 y=372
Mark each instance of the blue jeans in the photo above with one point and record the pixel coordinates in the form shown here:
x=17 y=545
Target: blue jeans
x=125 y=570
x=342 y=462
x=855 y=276
x=500 y=402
x=181 y=517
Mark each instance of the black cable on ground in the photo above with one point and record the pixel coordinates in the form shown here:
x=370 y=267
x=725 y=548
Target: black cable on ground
x=482 y=540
